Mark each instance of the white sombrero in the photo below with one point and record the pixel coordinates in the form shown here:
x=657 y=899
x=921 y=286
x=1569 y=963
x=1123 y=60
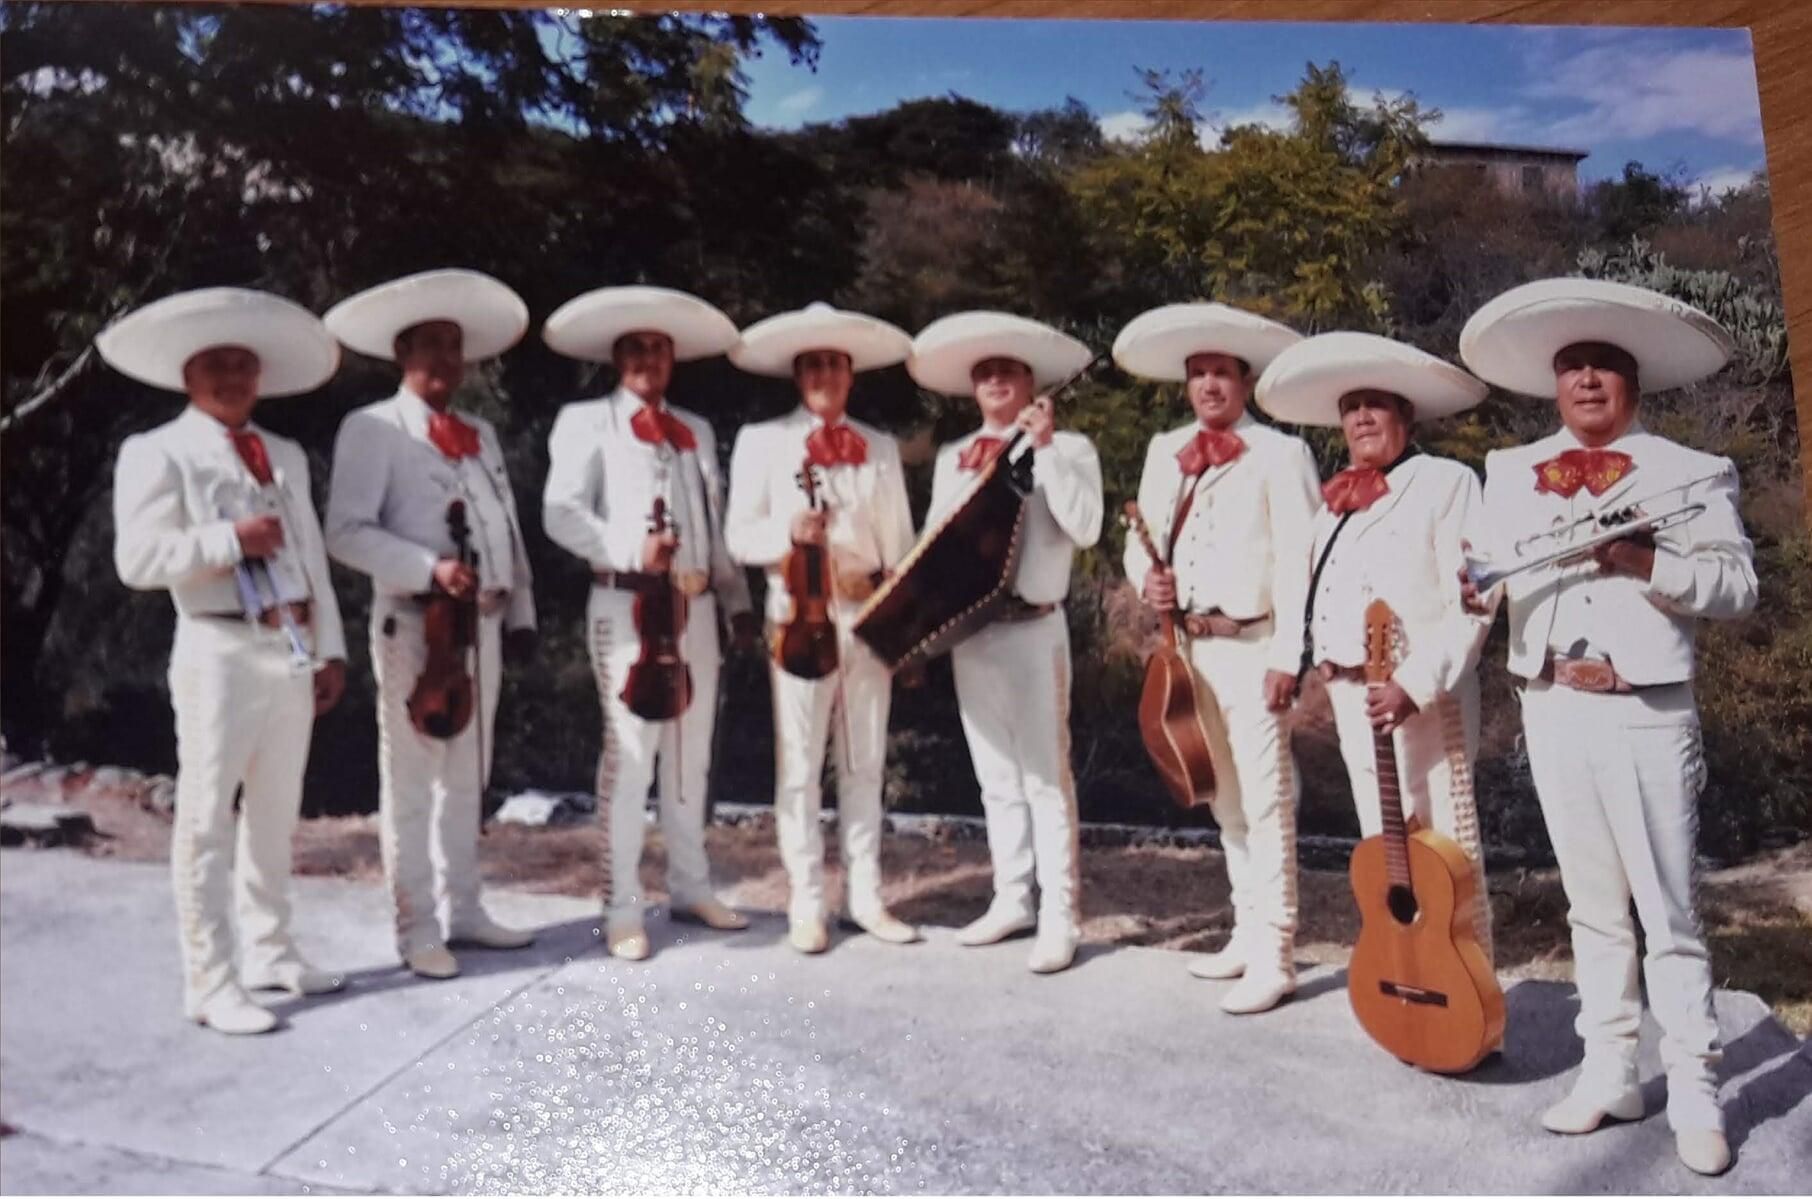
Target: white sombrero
x=1157 y=343
x=295 y=351
x=491 y=317
x=1512 y=340
x=947 y=349
x=1304 y=383
x=769 y=346
x=588 y=326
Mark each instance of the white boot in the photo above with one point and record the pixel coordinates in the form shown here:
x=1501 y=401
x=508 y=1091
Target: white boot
x=482 y=931
x=1054 y=949
x=1596 y=1096
x=626 y=938
x=1227 y=962
x=230 y=1010
x=295 y=976
x=1702 y=1150
x=1000 y=921
x=432 y=961
x=1258 y=991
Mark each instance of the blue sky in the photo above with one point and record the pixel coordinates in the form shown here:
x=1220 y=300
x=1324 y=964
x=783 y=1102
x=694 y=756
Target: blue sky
x=1667 y=98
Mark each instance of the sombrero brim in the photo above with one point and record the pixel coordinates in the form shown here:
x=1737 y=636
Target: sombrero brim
x=295 y=351
x=1156 y=344
x=768 y=347
x=588 y=326
x=491 y=317
x=947 y=350
x=1511 y=341
x=1303 y=385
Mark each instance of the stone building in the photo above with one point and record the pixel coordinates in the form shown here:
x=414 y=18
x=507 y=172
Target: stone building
x=1548 y=170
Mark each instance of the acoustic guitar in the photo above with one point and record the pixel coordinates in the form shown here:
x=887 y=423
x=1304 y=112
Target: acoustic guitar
x=1419 y=983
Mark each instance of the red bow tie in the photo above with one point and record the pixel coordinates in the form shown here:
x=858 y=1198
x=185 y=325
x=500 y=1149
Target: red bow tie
x=1210 y=447
x=1354 y=489
x=978 y=453
x=252 y=453
x=452 y=436
x=657 y=426
x=836 y=445
x=1595 y=470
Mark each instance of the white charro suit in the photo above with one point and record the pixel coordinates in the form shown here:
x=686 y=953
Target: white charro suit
x=868 y=530
x=1013 y=681
x=387 y=517
x=1243 y=551
x=243 y=715
x=1619 y=774
x=601 y=485
x=1405 y=549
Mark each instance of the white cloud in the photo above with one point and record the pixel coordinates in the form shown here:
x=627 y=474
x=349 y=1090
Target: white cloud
x=1718 y=180
x=1623 y=92
x=800 y=102
x=1268 y=114
x=1124 y=126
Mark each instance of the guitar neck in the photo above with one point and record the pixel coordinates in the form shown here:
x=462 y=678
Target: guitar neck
x=1390 y=804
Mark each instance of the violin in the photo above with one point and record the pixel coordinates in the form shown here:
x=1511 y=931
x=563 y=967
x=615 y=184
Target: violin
x=441 y=704
x=659 y=686
x=806 y=647
x=1419 y=982
x=1180 y=718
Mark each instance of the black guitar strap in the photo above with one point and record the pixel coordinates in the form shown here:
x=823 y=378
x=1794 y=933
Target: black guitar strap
x=1308 y=614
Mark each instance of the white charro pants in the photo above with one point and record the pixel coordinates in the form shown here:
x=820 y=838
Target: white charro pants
x=243 y=719
x=1619 y=778
x=1258 y=834
x=633 y=748
x=848 y=707
x=430 y=791
x=1435 y=751
x=1013 y=689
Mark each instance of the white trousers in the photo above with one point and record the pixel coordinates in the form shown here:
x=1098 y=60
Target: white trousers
x=430 y=791
x=1013 y=690
x=1435 y=751
x=1258 y=833
x=1619 y=777
x=243 y=720
x=852 y=704
x=633 y=748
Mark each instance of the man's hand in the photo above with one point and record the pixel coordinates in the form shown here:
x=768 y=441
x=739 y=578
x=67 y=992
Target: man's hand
x=1036 y=419
x=1387 y=706
x=519 y=646
x=1471 y=598
x=1161 y=588
x=808 y=528
x=1633 y=555
x=330 y=684
x=455 y=578
x=259 y=536
x=657 y=552
x=1280 y=690
x=745 y=633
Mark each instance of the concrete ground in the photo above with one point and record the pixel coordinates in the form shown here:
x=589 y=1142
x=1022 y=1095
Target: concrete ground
x=729 y=1063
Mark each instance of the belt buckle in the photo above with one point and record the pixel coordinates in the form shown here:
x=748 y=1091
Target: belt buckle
x=692 y=583
x=1585 y=674
x=855 y=586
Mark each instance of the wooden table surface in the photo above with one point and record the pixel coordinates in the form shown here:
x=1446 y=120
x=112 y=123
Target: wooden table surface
x=1781 y=32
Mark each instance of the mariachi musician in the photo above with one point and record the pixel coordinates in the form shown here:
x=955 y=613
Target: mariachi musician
x=216 y=511
x=1392 y=526
x=412 y=479
x=1013 y=676
x=1235 y=500
x=1605 y=646
x=858 y=514
x=610 y=461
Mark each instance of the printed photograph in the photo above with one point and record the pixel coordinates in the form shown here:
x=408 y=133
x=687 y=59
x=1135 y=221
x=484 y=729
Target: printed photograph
x=606 y=601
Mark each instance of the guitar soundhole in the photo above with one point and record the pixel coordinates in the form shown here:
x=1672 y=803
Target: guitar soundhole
x=1402 y=904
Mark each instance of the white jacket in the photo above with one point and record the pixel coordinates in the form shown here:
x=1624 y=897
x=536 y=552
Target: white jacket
x=602 y=481
x=1703 y=568
x=868 y=520
x=1063 y=512
x=1406 y=550
x=171 y=485
x=387 y=504
x=1245 y=542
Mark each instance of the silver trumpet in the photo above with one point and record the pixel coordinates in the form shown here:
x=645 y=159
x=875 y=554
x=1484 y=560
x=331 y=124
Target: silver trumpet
x=1614 y=526
x=253 y=577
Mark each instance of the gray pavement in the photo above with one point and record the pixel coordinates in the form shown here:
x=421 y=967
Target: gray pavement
x=729 y=1063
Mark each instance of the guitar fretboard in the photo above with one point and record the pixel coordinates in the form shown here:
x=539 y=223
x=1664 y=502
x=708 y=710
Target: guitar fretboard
x=1390 y=804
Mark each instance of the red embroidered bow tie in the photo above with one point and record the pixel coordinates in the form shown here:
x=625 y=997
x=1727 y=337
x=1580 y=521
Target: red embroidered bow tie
x=252 y=453
x=1210 y=447
x=1595 y=470
x=452 y=436
x=1354 y=489
x=836 y=445
x=657 y=425
x=978 y=453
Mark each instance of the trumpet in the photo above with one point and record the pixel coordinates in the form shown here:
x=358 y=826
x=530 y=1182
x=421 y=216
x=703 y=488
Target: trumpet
x=1617 y=516
x=1625 y=522
x=247 y=577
